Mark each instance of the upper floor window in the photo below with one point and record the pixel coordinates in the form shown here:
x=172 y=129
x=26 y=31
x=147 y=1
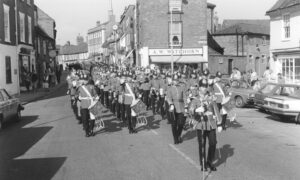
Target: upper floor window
x=175 y=34
x=6 y=23
x=286 y=26
x=22 y=27
x=28 y=2
x=29 y=30
x=175 y=5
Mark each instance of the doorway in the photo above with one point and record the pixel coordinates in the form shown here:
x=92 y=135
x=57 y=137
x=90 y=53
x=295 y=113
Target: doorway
x=230 y=66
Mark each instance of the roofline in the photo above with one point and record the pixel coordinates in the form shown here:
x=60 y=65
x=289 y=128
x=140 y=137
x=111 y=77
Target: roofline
x=238 y=33
x=270 y=11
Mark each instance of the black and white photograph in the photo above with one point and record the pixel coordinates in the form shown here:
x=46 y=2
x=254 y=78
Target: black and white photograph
x=149 y=89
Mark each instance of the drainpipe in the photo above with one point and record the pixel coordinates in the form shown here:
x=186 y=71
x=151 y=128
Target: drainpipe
x=17 y=44
x=237 y=42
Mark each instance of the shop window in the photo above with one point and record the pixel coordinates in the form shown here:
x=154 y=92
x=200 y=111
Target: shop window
x=8 y=70
x=286 y=26
x=175 y=34
x=175 y=5
x=297 y=70
x=6 y=23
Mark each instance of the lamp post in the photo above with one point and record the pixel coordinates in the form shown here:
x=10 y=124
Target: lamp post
x=115 y=28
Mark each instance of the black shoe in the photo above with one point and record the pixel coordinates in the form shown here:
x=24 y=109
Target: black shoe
x=87 y=135
x=180 y=140
x=211 y=167
x=134 y=131
x=224 y=128
x=203 y=169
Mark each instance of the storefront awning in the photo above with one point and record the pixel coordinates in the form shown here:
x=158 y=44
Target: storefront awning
x=177 y=59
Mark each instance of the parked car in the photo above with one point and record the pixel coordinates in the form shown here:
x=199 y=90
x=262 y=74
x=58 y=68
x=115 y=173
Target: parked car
x=241 y=93
x=265 y=91
x=285 y=103
x=10 y=108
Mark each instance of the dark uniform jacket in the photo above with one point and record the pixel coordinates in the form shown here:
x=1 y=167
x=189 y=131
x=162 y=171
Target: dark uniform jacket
x=176 y=95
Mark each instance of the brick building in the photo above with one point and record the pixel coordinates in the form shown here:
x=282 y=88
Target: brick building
x=45 y=41
x=187 y=32
x=127 y=33
x=246 y=45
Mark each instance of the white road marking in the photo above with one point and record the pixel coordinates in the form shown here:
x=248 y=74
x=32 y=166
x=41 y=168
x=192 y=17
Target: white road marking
x=186 y=157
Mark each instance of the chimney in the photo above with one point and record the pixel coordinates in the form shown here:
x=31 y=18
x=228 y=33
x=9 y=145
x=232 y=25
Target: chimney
x=98 y=23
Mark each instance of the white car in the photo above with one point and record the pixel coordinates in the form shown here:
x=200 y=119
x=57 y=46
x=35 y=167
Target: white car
x=285 y=104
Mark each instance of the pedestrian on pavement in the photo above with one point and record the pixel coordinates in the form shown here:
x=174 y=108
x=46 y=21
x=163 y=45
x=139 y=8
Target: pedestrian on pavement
x=34 y=81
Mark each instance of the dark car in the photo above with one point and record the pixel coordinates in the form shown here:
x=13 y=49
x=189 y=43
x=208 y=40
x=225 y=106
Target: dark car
x=241 y=92
x=10 y=108
x=265 y=91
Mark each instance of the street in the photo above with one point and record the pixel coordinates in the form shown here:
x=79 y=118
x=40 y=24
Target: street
x=49 y=144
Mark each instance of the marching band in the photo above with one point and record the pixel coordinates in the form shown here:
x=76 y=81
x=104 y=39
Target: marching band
x=181 y=98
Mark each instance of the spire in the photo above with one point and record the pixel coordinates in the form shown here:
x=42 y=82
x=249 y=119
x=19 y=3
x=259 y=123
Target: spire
x=111 y=6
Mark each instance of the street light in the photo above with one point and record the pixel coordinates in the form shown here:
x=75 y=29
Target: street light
x=115 y=28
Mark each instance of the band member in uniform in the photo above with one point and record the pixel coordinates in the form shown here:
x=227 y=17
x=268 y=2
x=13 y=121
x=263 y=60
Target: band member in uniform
x=146 y=87
x=204 y=113
x=106 y=90
x=218 y=89
x=177 y=99
x=87 y=94
x=154 y=83
x=161 y=102
x=128 y=100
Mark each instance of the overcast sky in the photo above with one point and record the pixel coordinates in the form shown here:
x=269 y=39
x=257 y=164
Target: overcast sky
x=75 y=17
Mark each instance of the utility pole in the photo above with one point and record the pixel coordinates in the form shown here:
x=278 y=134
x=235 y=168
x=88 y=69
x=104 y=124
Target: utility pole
x=171 y=38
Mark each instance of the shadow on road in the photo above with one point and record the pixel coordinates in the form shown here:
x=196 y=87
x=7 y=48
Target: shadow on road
x=234 y=125
x=189 y=135
x=15 y=142
x=282 y=120
x=223 y=154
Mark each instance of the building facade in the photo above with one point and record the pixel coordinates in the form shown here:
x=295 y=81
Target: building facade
x=245 y=40
x=9 y=75
x=166 y=24
x=285 y=39
x=73 y=54
x=98 y=36
x=45 y=41
x=127 y=34
x=25 y=39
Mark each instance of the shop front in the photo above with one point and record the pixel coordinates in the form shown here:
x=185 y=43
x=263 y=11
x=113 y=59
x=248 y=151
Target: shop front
x=27 y=65
x=288 y=64
x=193 y=57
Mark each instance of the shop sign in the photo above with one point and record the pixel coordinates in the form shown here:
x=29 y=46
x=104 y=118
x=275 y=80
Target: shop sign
x=176 y=52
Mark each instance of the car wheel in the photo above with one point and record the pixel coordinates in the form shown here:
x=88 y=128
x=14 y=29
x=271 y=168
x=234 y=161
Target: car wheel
x=239 y=102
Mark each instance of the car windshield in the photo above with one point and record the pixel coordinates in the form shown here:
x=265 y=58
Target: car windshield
x=291 y=92
x=268 y=88
x=1 y=97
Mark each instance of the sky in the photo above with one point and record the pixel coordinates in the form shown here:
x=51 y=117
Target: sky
x=74 y=17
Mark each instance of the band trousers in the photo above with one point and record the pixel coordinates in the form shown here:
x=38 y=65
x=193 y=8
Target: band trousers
x=177 y=125
x=130 y=120
x=203 y=135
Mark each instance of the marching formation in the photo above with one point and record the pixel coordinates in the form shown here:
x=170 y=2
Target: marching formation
x=192 y=98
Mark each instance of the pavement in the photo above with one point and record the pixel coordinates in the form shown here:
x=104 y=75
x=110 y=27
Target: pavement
x=28 y=97
x=49 y=144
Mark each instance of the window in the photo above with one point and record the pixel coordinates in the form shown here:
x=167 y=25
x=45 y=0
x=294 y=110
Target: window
x=268 y=88
x=8 y=70
x=29 y=30
x=286 y=26
x=291 y=69
x=6 y=23
x=22 y=27
x=175 y=34
x=39 y=45
x=28 y=2
x=175 y=5
x=44 y=47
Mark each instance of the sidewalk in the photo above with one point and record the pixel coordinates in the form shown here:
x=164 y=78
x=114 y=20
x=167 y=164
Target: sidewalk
x=28 y=97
